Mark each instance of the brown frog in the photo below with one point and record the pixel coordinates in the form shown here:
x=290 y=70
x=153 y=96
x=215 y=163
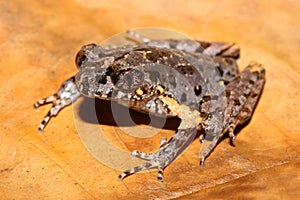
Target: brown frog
x=199 y=82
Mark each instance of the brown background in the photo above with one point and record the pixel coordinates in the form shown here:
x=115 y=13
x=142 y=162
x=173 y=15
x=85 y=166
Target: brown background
x=38 y=42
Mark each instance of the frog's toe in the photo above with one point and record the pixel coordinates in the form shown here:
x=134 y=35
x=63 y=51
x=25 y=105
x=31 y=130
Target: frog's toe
x=163 y=142
x=201 y=138
x=134 y=154
x=148 y=156
x=136 y=169
x=202 y=159
x=231 y=132
x=142 y=155
x=145 y=166
x=206 y=149
x=160 y=175
x=232 y=136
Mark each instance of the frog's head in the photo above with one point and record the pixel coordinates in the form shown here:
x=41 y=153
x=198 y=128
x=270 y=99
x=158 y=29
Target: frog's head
x=100 y=73
x=93 y=78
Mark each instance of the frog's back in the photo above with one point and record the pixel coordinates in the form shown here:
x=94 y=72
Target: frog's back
x=186 y=77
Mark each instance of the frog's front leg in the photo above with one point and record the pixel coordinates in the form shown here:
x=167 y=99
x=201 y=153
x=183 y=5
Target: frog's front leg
x=170 y=150
x=66 y=95
x=242 y=96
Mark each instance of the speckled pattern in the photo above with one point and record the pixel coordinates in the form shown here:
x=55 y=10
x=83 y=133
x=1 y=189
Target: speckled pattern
x=195 y=81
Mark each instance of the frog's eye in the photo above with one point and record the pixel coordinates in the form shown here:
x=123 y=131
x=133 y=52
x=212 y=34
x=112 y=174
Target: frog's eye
x=80 y=58
x=82 y=54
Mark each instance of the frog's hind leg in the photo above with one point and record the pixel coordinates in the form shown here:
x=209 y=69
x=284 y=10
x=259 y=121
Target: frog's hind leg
x=170 y=150
x=253 y=78
x=138 y=36
x=230 y=50
x=242 y=96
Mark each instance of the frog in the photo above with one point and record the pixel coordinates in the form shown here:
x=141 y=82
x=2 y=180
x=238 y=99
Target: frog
x=196 y=81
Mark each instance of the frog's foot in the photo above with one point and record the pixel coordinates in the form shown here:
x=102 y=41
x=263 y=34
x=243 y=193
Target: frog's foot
x=65 y=96
x=148 y=156
x=167 y=153
x=206 y=148
x=151 y=157
x=210 y=142
x=153 y=162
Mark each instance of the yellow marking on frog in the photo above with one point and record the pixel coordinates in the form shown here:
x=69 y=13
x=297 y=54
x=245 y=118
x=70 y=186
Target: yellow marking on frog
x=160 y=89
x=139 y=91
x=221 y=83
x=191 y=118
x=145 y=55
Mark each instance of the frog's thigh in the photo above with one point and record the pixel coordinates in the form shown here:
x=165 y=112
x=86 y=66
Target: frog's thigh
x=257 y=80
x=248 y=85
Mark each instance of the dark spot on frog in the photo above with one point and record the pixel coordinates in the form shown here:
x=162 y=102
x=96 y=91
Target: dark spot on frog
x=237 y=102
x=151 y=57
x=198 y=90
x=101 y=79
x=186 y=69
